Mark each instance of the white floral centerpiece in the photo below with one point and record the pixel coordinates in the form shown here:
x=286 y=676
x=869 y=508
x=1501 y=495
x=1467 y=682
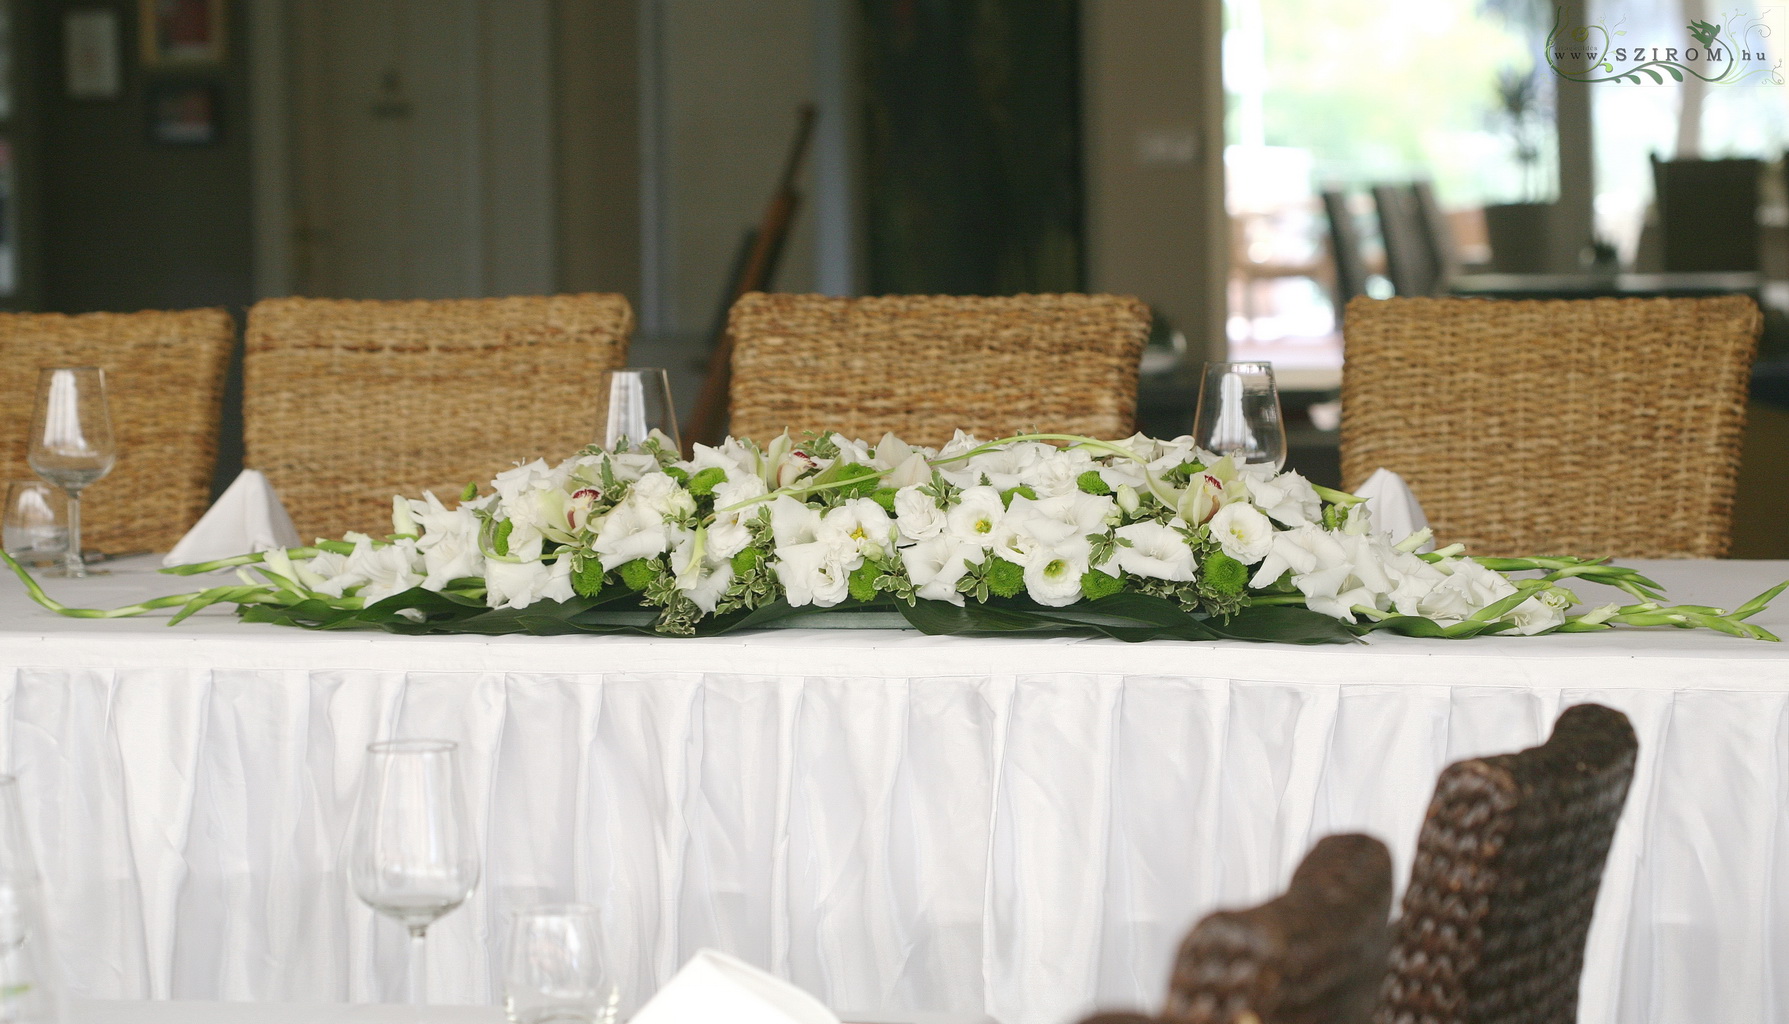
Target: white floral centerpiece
x=1135 y=539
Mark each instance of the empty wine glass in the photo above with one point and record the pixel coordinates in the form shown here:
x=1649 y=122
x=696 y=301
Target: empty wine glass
x=639 y=403
x=414 y=856
x=1239 y=414
x=554 y=969
x=35 y=530
x=71 y=442
x=30 y=992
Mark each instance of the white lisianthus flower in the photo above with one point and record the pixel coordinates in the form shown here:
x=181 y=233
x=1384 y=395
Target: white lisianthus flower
x=891 y=451
x=917 y=516
x=1243 y=532
x=630 y=530
x=1155 y=551
x=1006 y=468
x=520 y=584
x=631 y=466
x=1053 y=575
x=1540 y=612
x=729 y=493
x=1053 y=521
x=727 y=538
x=976 y=517
x=935 y=566
x=661 y=493
x=860 y=525
x=449 y=542
x=1014 y=543
x=815 y=573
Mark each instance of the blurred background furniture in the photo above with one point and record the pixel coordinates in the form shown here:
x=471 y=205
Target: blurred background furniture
x=1345 y=250
x=1507 y=870
x=1410 y=260
x=165 y=378
x=1708 y=214
x=1530 y=415
x=347 y=402
x=923 y=366
x=1680 y=284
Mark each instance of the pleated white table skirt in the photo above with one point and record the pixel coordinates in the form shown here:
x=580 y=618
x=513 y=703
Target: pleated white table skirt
x=1021 y=829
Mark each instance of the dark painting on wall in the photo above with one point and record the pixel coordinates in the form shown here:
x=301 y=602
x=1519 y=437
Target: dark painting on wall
x=972 y=146
x=183 y=113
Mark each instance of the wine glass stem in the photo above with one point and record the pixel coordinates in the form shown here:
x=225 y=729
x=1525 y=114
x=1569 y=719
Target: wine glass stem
x=71 y=560
x=419 y=966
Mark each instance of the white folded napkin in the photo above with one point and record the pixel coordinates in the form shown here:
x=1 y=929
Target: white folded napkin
x=247 y=517
x=715 y=987
x=1396 y=512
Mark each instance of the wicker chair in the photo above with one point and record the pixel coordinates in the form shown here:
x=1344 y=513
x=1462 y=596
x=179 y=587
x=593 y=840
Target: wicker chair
x=1507 y=869
x=1315 y=955
x=165 y=385
x=922 y=366
x=346 y=403
x=1515 y=422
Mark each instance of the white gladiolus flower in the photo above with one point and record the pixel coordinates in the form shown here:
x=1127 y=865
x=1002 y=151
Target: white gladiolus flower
x=312 y=573
x=851 y=450
x=859 y=525
x=1243 y=532
x=1541 y=612
x=891 y=451
x=1287 y=498
x=1053 y=575
x=402 y=522
x=1467 y=588
x=520 y=584
x=936 y=565
x=631 y=530
x=976 y=517
x=379 y=571
x=703 y=575
x=914 y=469
x=1125 y=473
x=1156 y=551
x=449 y=542
x=730 y=457
x=792 y=522
x=815 y=573
x=1295 y=550
x=916 y=515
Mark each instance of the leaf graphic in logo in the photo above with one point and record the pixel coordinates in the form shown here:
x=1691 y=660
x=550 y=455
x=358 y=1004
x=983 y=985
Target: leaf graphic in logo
x=1704 y=32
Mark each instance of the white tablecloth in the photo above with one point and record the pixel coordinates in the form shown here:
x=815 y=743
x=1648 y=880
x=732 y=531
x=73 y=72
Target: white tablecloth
x=893 y=821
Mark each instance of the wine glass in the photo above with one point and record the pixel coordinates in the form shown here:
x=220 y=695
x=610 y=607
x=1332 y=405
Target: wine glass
x=554 y=969
x=30 y=992
x=414 y=856
x=35 y=530
x=1239 y=414
x=72 y=443
x=639 y=403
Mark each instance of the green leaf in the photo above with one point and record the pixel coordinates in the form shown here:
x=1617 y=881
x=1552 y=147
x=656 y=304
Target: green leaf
x=1006 y=496
x=1092 y=483
x=500 y=539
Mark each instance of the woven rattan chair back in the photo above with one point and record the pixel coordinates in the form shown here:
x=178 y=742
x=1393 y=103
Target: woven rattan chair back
x=923 y=366
x=1507 y=869
x=165 y=385
x=346 y=403
x=1315 y=955
x=1512 y=420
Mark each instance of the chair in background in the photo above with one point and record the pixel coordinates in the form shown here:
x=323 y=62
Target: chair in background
x=1439 y=233
x=1708 y=214
x=1315 y=955
x=1507 y=868
x=1345 y=250
x=1512 y=419
x=165 y=383
x=922 y=366
x=346 y=403
x=1409 y=260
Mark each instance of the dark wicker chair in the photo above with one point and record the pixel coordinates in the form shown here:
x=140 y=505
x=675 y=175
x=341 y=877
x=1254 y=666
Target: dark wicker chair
x=1315 y=955
x=1505 y=880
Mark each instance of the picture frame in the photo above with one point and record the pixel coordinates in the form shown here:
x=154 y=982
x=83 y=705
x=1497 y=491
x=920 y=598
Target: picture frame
x=90 y=56
x=181 y=33
x=184 y=113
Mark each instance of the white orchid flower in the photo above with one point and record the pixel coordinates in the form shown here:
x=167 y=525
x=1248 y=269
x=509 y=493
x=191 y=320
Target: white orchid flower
x=1155 y=551
x=1243 y=532
x=935 y=566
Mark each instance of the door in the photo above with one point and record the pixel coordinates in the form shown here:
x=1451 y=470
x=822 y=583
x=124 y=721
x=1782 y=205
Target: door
x=422 y=155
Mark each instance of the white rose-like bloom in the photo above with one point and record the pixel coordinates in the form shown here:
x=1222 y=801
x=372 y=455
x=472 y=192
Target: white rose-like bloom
x=936 y=565
x=630 y=530
x=1541 y=612
x=976 y=517
x=529 y=476
x=858 y=525
x=661 y=493
x=1058 y=472
x=1124 y=473
x=1053 y=575
x=726 y=539
x=815 y=573
x=731 y=492
x=917 y=516
x=1243 y=532
x=520 y=584
x=1155 y=551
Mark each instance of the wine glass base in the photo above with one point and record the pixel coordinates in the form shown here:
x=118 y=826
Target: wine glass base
x=61 y=571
